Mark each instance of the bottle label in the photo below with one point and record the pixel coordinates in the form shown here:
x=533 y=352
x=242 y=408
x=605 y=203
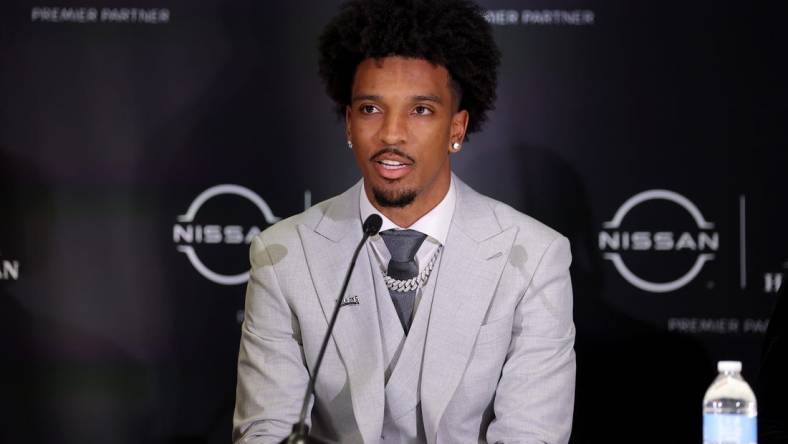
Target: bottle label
x=730 y=428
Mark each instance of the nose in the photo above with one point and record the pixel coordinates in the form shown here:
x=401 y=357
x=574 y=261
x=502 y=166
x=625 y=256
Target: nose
x=394 y=129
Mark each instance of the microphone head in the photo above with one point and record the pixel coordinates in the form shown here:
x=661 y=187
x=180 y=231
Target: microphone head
x=372 y=224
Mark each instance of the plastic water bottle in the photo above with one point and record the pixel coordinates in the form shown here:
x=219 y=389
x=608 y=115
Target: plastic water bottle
x=730 y=413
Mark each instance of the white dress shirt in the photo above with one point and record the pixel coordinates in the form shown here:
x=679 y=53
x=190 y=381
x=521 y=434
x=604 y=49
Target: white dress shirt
x=435 y=224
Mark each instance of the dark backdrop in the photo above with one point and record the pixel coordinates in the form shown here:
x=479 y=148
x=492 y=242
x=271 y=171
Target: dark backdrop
x=120 y=309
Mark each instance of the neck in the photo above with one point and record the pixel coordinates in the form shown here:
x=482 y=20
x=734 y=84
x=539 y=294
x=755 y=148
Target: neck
x=423 y=203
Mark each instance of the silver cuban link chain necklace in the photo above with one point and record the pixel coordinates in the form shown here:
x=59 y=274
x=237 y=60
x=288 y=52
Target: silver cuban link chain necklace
x=416 y=282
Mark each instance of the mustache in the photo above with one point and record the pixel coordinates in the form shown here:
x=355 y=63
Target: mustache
x=392 y=150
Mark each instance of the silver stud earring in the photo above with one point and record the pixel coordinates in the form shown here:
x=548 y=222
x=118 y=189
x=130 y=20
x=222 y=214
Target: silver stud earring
x=456 y=147
x=350 y=144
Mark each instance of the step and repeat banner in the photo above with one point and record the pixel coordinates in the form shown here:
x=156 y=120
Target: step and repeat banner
x=143 y=145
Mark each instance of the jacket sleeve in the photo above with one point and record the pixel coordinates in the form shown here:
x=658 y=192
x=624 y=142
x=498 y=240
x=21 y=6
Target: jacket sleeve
x=272 y=375
x=534 y=400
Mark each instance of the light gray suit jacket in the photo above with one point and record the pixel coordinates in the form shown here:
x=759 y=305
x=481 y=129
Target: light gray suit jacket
x=498 y=365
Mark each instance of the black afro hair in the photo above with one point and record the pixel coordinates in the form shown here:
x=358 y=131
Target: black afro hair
x=450 y=33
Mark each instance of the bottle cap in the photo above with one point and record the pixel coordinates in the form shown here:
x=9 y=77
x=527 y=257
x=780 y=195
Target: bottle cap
x=729 y=366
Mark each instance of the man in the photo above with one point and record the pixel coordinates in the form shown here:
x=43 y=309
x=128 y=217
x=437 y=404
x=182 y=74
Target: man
x=458 y=326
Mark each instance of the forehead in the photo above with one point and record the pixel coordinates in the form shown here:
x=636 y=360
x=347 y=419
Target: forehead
x=400 y=74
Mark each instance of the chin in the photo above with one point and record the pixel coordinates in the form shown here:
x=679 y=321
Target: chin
x=394 y=198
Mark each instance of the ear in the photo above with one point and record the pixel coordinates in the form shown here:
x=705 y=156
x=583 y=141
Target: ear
x=347 y=122
x=459 y=124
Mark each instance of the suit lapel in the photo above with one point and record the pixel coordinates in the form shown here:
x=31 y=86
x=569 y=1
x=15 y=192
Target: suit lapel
x=475 y=253
x=328 y=249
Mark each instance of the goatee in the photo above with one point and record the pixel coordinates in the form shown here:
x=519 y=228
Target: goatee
x=394 y=199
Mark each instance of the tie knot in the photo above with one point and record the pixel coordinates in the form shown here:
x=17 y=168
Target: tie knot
x=402 y=244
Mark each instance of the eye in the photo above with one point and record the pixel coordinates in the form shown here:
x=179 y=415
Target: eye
x=369 y=109
x=422 y=110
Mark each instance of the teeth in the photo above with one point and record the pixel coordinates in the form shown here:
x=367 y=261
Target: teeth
x=391 y=162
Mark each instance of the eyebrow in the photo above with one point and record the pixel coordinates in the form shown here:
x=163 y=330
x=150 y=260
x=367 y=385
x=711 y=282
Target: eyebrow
x=419 y=98
x=365 y=97
x=435 y=99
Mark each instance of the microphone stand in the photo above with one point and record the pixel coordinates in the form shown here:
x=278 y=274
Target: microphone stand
x=300 y=433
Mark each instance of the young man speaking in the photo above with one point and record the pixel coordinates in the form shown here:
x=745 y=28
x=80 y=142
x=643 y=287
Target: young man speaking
x=458 y=326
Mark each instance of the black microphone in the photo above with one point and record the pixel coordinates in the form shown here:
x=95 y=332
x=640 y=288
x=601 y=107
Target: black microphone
x=372 y=226
x=300 y=432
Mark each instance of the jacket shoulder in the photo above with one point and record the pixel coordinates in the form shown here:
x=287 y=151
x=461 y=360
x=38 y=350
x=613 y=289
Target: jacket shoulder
x=287 y=229
x=530 y=230
x=528 y=226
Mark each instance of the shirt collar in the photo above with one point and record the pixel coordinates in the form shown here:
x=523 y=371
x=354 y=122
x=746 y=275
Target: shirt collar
x=434 y=224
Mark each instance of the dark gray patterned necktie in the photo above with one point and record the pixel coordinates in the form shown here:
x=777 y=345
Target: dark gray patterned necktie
x=403 y=245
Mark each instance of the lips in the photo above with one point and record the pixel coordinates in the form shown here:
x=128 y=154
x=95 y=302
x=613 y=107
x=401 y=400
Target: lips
x=391 y=165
